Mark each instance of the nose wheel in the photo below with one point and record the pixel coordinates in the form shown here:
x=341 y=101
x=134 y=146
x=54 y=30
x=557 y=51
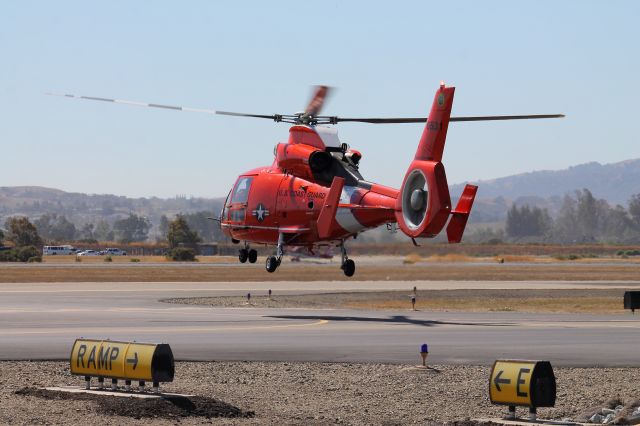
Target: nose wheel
x=246 y=253
x=348 y=266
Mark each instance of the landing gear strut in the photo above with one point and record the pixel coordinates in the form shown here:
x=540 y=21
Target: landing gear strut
x=246 y=253
x=274 y=261
x=348 y=266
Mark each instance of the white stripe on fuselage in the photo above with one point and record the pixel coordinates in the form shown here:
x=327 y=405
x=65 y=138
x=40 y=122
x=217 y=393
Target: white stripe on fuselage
x=344 y=216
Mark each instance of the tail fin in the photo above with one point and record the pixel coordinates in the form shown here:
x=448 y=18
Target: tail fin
x=460 y=214
x=424 y=204
x=434 y=134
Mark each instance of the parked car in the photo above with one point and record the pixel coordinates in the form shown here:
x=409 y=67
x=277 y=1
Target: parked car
x=115 y=252
x=89 y=253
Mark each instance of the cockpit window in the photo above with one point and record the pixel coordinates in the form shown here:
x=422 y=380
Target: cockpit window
x=241 y=191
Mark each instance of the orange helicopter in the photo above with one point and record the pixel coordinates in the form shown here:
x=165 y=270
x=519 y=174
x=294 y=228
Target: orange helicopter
x=313 y=194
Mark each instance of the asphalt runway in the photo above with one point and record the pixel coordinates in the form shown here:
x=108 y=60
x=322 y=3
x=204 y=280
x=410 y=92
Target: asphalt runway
x=41 y=321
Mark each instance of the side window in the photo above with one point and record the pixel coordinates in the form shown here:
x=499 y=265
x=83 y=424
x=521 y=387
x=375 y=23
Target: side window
x=236 y=215
x=241 y=191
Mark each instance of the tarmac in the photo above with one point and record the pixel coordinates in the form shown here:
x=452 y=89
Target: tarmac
x=41 y=321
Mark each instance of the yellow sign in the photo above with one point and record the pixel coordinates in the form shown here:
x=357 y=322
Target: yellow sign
x=525 y=383
x=511 y=382
x=122 y=360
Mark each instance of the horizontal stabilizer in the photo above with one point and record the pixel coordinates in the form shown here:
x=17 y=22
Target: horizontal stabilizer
x=460 y=214
x=329 y=208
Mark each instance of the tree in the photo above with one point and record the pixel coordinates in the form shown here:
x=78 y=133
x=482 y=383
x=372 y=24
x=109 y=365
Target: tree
x=1 y=237
x=587 y=215
x=132 y=229
x=206 y=228
x=21 y=232
x=180 y=233
x=55 y=228
x=634 y=210
x=618 y=226
x=527 y=222
x=566 y=227
x=86 y=233
x=103 y=232
x=163 y=228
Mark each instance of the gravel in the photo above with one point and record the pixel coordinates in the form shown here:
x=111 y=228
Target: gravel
x=257 y=393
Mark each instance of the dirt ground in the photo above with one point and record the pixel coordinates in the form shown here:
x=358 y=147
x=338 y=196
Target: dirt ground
x=258 y=393
x=365 y=271
x=565 y=301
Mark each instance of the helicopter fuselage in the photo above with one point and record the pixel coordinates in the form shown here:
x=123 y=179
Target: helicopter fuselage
x=288 y=196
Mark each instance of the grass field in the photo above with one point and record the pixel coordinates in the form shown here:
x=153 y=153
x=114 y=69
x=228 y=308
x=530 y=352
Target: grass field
x=210 y=270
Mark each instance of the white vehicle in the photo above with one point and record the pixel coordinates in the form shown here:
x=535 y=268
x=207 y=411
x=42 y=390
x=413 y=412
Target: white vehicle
x=57 y=250
x=89 y=253
x=114 y=252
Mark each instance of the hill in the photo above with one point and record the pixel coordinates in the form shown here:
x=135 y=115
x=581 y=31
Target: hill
x=35 y=201
x=614 y=182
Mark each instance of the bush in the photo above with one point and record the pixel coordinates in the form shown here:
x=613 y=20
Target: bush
x=182 y=254
x=19 y=254
x=8 y=256
x=134 y=259
x=23 y=254
x=108 y=258
x=35 y=259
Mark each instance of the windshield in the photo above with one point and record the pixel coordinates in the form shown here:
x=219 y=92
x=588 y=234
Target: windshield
x=241 y=191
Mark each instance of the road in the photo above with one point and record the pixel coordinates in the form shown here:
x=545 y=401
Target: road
x=41 y=320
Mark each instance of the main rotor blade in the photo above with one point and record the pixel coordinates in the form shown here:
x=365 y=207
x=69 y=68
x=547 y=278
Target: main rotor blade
x=134 y=103
x=506 y=117
x=240 y=114
x=317 y=101
x=424 y=119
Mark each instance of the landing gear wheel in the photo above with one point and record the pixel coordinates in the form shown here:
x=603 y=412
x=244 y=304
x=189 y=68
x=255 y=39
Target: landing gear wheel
x=349 y=267
x=253 y=256
x=243 y=255
x=272 y=264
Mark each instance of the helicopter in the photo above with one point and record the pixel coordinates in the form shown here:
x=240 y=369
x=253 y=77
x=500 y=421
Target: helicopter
x=313 y=195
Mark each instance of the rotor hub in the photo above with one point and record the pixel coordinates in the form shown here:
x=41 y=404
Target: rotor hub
x=417 y=199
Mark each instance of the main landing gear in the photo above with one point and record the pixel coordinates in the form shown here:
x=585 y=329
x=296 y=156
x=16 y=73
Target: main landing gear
x=246 y=253
x=274 y=261
x=348 y=266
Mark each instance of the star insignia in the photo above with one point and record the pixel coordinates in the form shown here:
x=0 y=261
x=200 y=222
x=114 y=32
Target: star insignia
x=260 y=212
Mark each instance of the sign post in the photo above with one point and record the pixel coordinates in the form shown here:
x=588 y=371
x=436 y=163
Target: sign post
x=522 y=383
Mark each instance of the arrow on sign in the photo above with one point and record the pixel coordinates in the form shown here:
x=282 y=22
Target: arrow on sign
x=134 y=361
x=498 y=381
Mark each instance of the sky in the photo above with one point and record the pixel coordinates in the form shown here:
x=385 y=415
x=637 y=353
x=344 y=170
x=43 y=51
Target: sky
x=385 y=59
